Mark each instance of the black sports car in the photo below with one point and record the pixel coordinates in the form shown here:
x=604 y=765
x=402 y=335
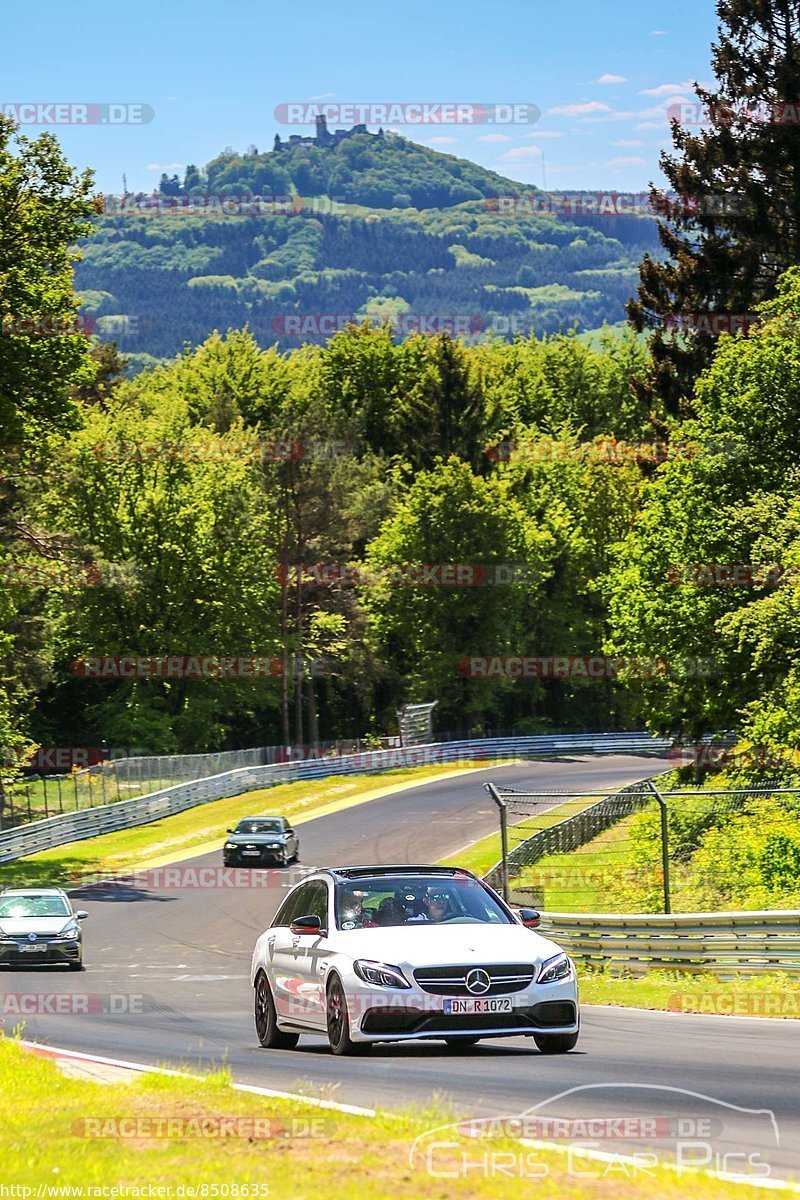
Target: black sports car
x=257 y=841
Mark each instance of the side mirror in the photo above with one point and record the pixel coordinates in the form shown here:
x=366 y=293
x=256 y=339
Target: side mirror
x=306 y=925
x=229 y=831
x=530 y=918
x=81 y=914
x=288 y=830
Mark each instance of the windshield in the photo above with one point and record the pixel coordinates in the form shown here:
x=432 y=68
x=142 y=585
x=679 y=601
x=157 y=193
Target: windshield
x=34 y=906
x=269 y=825
x=370 y=902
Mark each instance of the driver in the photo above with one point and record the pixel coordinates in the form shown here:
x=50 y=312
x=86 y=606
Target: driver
x=437 y=907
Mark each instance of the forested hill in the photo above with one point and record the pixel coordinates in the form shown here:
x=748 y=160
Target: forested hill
x=375 y=225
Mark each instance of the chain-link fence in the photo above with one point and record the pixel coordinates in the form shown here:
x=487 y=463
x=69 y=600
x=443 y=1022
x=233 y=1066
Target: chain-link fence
x=645 y=850
x=34 y=796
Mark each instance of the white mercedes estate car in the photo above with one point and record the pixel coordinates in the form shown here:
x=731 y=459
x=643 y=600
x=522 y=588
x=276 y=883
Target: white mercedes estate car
x=385 y=954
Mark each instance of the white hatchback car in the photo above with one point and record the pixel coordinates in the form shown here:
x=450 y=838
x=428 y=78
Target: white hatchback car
x=384 y=954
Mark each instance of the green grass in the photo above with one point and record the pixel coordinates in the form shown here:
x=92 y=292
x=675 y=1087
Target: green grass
x=38 y=798
x=596 y=877
x=772 y=994
x=303 y=1153
x=132 y=848
x=481 y=856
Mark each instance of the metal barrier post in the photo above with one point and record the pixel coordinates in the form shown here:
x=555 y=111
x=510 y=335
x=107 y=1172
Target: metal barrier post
x=664 y=843
x=503 y=807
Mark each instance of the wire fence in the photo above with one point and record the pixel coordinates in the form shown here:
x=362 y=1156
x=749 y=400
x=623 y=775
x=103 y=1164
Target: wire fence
x=645 y=850
x=122 y=777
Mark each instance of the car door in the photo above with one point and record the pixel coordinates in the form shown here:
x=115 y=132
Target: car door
x=316 y=951
x=286 y=954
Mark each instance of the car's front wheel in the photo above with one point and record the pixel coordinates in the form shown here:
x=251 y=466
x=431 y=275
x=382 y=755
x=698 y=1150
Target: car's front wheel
x=338 y=1021
x=76 y=966
x=555 y=1043
x=267 y=1029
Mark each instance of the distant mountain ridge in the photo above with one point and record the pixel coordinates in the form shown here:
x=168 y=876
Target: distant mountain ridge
x=386 y=227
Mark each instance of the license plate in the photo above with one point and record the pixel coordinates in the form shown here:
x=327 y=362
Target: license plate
x=485 y=1004
x=254 y=853
x=32 y=949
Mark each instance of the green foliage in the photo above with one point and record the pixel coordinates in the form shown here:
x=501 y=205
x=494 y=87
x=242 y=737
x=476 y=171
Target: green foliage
x=45 y=207
x=372 y=217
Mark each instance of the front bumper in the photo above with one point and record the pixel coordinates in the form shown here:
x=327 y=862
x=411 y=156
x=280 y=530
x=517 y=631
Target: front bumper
x=48 y=952
x=265 y=856
x=379 y=1015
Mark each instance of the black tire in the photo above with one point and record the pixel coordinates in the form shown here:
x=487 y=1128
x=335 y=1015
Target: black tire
x=338 y=1021
x=266 y=1019
x=555 y=1043
x=461 y=1043
x=76 y=966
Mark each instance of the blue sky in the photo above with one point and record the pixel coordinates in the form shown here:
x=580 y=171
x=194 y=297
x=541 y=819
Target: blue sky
x=602 y=74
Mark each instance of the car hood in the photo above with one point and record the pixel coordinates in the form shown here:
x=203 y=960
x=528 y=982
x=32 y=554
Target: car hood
x=255 y=839
x=41 y=926
x=445 y=945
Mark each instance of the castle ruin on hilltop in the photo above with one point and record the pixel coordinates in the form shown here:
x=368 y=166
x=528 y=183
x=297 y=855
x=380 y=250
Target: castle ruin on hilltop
x=323 y=137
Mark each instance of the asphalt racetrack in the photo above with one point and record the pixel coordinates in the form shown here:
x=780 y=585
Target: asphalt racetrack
x=167 y=983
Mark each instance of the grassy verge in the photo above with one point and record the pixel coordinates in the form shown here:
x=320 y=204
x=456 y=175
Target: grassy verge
x=769 y=995
x=481 y=856
x=274 y=1148
x=38 y=798
x=131 y=848
x=599 y=876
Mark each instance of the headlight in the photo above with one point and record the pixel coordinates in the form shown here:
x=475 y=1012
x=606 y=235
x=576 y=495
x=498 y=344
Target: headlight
x=552 y=969
x=381 y=974
x=230 y=845
x=71 y=931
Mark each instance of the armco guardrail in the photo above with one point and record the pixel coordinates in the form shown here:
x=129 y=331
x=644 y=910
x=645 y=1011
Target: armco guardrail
x=57 y=831
x=737 y=943
x=573 y=831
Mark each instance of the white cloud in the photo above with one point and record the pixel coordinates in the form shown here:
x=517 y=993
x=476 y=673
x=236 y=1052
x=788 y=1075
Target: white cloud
x=658 y=33
x=322 y=96
x=165 y=166
x=442 y=140
x=580 y=110
x=496 y=137
x=627 y=142
x=543 y=133
x=650 y=125
x=622 y=161
x=520 y=152
x=607 y=78
x=667 y=89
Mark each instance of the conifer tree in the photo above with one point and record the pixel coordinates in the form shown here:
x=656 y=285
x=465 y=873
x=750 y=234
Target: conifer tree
x=730 y=224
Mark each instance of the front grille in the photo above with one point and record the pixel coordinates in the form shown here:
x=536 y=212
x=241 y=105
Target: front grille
x=551 y=1014
x=451 y=981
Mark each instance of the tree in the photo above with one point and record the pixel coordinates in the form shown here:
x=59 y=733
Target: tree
x=45 y=206
x=735 y=226
x=439 y=408
x=733 y=502
x=422 y=630
x=179 y=531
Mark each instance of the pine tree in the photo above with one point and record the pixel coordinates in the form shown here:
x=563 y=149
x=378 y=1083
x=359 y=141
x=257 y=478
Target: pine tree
x=734 y=224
